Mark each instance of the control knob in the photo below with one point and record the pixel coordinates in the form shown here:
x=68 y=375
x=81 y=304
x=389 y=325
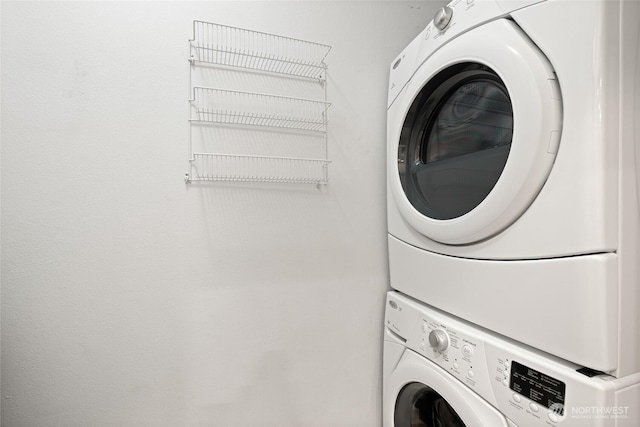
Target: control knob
x=438 y=340
x=442 y=17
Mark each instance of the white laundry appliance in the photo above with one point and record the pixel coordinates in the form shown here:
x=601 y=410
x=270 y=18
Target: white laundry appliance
x=513 y=185
x=442 y=371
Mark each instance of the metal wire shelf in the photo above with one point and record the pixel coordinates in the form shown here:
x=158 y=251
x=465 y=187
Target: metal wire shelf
x=242 y=48
x=243 y=168
x=255 y=109
x=257 y=115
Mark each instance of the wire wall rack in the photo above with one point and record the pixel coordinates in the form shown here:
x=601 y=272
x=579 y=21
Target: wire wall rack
x=243 y=48
x=232 y=107
x=271 y=54
x=244 y=168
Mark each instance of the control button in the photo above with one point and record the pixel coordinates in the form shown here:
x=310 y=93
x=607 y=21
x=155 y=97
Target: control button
x=467 y=350
x=443 y=18
x=439 y=340
x=470 y=373
x=533 y=407
x=455 y=365
x=505 y=382
x=516 y=398
x=553 y=417
x=423 y=345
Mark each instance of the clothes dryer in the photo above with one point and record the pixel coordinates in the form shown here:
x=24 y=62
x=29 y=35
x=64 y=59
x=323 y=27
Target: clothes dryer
x=442 y=371
x=513 y=173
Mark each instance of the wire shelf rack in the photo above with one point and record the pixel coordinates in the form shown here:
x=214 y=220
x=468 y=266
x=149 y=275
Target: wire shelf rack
x=260 y=116
x=242 y=48
x=255 y=109
x=243 y=168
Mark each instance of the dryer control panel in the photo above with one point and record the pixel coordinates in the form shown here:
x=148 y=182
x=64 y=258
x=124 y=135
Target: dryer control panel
x=447 y=23
x=528 y=386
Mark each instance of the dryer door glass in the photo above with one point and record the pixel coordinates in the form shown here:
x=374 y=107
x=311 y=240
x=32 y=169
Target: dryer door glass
x=455 y=141
x=420 y=406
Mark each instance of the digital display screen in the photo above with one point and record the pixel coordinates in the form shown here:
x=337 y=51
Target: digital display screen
x=539 y=387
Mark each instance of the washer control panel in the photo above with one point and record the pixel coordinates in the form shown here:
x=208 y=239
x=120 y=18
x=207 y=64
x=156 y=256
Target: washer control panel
x=461 y=354
x=439 y=340
x=530 y=387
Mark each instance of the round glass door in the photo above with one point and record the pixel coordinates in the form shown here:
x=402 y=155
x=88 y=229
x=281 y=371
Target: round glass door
x=455 y=141
x=473 y=135
x=420 y=406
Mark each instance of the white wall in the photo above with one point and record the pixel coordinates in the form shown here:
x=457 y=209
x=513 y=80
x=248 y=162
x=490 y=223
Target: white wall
x=132 y=299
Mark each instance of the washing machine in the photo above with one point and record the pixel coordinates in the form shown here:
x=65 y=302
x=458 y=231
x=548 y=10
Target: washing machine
x=512 y=173
x=442 y=371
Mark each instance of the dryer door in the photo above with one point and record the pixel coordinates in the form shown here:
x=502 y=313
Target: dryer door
x=480 y=127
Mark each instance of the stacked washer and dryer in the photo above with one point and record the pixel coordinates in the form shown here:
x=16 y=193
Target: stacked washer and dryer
x=514 y=217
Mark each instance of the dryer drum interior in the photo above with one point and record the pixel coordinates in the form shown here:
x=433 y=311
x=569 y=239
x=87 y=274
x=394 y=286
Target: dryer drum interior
x=455 y=141
x=420 y=406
